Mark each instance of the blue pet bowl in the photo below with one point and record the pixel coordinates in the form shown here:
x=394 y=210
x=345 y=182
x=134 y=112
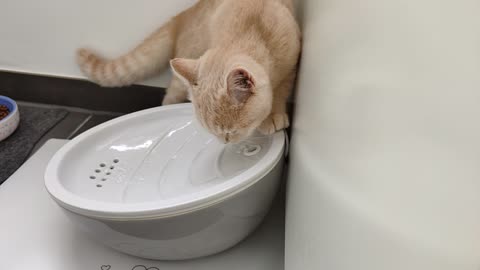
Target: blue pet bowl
x=10 y=123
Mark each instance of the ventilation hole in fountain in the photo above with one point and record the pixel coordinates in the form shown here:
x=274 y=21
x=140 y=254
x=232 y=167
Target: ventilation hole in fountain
x=99 y=186
x=104 y=179
x=108 y=173
x=92 y=177
x=112 y=167
x=97 y=170
x=116 y=160
x=103 y=165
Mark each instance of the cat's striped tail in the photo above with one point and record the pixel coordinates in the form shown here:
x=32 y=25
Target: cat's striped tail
x=148 y=58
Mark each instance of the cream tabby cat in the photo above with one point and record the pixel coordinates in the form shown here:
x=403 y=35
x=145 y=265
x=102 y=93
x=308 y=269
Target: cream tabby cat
x=235 y=59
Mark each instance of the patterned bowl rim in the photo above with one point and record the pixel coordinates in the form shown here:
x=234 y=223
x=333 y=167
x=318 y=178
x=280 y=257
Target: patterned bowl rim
x=13 y=112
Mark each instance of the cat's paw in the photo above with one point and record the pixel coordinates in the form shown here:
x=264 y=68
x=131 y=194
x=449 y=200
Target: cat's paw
x=173 y=99
x=274 y=123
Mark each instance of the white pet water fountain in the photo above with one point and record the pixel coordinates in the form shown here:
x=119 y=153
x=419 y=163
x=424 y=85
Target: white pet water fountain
x=154 y=185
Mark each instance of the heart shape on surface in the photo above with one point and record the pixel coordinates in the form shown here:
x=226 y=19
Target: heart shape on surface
x=143 y=267
x=106 y=267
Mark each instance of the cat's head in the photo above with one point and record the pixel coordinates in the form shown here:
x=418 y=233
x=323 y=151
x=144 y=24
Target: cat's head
x=231 y=94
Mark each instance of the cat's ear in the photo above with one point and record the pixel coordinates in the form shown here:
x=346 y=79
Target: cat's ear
x=185 y=69
x=240 y=84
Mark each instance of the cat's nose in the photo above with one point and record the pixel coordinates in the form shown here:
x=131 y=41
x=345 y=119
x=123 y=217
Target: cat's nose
x=222 y=139
x=226 y=138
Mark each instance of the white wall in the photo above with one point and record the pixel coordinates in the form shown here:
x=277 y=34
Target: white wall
x=41 y=36
x=384 y=159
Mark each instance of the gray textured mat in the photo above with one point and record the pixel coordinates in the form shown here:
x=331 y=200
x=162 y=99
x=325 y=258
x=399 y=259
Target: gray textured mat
x=34 y=123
